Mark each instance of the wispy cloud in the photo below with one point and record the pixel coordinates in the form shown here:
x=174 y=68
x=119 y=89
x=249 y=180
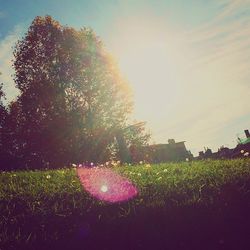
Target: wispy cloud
x=219 y=75
x=226 y=36
x=213 y=79
x=6 y=57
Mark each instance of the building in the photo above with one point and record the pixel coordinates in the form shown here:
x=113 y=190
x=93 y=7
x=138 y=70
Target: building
x=157 y=153
x=241 y=150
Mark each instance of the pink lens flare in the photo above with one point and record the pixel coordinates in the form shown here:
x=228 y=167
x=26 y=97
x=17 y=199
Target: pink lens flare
x=106 y=185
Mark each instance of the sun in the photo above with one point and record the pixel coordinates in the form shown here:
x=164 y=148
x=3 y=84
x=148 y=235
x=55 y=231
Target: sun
x=151 y=60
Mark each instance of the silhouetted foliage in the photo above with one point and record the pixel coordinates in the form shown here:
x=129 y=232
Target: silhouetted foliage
x=11 y=157
x=72 y=97
x=3 y=114
x=138 y=138
x=3 y=111
x=7 y=135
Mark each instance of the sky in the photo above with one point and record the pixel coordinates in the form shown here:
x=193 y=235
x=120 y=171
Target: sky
x=187 y=61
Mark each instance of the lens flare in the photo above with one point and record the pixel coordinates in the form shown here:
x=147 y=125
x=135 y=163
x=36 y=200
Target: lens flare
x=105 y=184
x=104 y=188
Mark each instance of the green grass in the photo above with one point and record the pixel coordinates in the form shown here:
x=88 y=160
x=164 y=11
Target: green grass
x=176 y=202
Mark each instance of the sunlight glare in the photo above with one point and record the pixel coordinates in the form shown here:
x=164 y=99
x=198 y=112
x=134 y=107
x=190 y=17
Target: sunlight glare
x=104 y=188
x=153 y=61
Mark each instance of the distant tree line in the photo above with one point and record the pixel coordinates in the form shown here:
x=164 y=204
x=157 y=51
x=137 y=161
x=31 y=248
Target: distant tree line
x=72 y=101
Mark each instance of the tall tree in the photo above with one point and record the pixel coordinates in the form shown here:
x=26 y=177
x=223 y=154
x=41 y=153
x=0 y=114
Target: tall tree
x=72 y=95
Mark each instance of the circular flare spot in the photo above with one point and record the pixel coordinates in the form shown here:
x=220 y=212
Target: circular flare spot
x=104 y=188
x=116 y=188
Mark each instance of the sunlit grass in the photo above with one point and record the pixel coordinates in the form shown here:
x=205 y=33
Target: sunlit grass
x=48 y=205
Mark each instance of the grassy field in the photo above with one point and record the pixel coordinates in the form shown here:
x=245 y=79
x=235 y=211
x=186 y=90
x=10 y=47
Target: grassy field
x=189 y=205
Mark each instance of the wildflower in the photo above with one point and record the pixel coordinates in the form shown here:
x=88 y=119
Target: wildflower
x=246 y=154
x=48 y=176
x=14 y=175
x=158 y=173
x=73 y=165
x=140 y=162
x=187 y=159
x=107 y=163
x=147 y=166
x=242 y=151
x=165 y=170
x=139 y=174
x=91 y=164
x=114 y=163
x=80 y=165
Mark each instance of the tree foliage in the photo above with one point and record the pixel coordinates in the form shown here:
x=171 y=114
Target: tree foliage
x=3 y=114
x=72 y=97
x=3 y=111
x=138 y=139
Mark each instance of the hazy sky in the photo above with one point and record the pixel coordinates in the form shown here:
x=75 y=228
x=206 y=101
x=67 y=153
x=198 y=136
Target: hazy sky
x=187 y=61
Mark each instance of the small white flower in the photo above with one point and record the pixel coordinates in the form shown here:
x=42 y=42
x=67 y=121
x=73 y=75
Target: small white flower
x=158 y=173
x=165 y=170
x=48 y=176
x=139 y=174
x=187 y=159
x=147 y=166
x=80 y=165
x=242 y=151
x=73 y=165
x=246 y=154
x=14 y=175
x=91 y=164
x=140 y=162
